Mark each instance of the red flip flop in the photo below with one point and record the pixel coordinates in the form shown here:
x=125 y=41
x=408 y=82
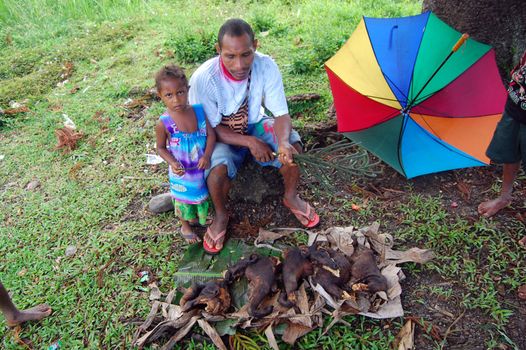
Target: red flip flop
x=213 y=250
x=309 y=214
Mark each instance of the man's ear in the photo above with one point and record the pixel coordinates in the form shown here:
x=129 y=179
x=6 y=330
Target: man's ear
x=218 y=49
x=255 y=43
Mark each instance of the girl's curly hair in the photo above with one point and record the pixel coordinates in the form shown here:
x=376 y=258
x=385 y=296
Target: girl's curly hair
x=170 y=71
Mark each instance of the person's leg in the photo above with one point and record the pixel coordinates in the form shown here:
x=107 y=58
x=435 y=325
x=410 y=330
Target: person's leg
x=291 y=179
x=14 y=316
x=188 y=233
x=492 y=207
x=264 y=130
x=218 y=186
x=223 y=168
x=504 y=148
x=185 y=213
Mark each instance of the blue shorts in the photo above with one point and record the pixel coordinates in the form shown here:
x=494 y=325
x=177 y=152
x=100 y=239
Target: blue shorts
x=233 y=156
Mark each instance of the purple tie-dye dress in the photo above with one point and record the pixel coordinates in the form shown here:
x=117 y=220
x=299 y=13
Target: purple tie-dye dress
x=187 y=148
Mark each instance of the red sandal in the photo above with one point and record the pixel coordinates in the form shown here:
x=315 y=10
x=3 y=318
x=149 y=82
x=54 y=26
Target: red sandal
x=212 y=250
x=309 y=214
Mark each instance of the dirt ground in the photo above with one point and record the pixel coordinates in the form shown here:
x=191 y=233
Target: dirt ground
x=461 y=191
x=389 y=189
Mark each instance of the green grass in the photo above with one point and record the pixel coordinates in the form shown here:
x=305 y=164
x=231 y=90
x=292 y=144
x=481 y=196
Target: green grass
x=85 y=200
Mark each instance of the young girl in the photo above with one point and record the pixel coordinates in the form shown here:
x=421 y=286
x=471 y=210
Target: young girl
x=185 y=141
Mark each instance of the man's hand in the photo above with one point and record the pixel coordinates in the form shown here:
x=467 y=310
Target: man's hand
x=177 y=168
x=286 y=152
x=260 y=150
x=204 y=162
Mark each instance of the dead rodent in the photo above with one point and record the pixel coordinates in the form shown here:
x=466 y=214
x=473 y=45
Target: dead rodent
x=260 y=273
x=334 y=280
x=365 y=270
x=213 y=296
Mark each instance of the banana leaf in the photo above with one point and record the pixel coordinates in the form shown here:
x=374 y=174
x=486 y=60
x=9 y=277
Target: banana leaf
x=197 y=266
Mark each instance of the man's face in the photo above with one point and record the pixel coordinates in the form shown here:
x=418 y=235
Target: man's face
x=237 y=54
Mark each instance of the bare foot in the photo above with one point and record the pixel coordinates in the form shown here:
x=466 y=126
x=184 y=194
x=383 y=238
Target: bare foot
x=492 y=207
x=35 y=313
x=522 y=242
x=521 y=292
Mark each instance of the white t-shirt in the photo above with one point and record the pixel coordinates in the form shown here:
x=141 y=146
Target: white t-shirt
x=222 y=96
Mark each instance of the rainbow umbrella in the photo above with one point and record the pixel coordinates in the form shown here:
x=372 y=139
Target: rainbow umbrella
x=409 y=91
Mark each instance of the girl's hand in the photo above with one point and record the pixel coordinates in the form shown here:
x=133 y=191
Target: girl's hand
x=204 y=162
x=177 y=169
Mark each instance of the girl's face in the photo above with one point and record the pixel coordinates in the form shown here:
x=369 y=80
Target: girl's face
x=174 y=94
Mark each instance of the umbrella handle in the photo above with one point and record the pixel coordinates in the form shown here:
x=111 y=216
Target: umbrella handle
x=460 y=41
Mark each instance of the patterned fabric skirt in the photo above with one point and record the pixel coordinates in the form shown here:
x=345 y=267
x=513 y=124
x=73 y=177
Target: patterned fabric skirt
x=189 y=212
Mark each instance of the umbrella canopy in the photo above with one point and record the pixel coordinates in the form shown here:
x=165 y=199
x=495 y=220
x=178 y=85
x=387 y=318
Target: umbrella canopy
x=403 y=91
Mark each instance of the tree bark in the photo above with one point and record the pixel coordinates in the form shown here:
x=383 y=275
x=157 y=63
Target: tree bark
x=499 y=23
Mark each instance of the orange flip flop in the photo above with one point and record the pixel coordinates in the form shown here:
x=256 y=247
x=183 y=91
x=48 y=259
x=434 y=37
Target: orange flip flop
x=309 y=214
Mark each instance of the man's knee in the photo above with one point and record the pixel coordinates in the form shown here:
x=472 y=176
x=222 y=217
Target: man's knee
x=218 y=176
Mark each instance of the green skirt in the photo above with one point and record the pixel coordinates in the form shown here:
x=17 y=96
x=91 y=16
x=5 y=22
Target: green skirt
x=189 y=212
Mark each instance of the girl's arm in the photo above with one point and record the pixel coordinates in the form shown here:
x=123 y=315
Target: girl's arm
x=161 y=137
x=204 y=162
x=210 y=139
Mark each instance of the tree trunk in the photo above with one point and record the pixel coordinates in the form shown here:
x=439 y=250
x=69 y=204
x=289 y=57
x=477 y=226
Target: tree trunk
x=499 y=23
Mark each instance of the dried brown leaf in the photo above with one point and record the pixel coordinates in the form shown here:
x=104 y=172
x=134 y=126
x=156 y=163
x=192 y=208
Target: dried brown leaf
x=302 y=302
x=146 y=324
x=170 y=296
x=294 y=331
x=23 y=342
x=404 y=340
x=55 y=108
x=13 y=111
x=245 y=228
x=465 y=189
x=303 y=97
x=268 y=236
x=181 y=333
x=155 y=293
x=417 y=255
x=67 y=139
x=427 y=327
x=271 y=339
x=212 y=333
x=74 y=170
x=67 y=70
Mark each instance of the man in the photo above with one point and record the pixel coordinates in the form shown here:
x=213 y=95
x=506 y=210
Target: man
x=233 y=87
x=14 y=317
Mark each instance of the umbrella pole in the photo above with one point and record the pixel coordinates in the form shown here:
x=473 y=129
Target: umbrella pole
x=459 y=43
